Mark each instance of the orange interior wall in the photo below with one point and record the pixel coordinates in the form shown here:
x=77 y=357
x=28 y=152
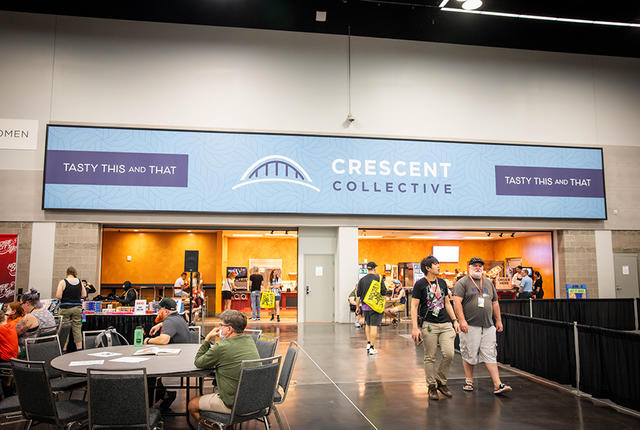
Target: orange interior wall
x=536 y=251
x=241 y=250
x=156 y=258
x=396 y=251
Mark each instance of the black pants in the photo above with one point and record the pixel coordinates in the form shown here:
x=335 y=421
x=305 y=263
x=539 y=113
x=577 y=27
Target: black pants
x=525 y=295
x=154 y=386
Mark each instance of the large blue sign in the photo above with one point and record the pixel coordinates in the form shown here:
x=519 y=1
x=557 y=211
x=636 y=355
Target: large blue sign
x=162 y=170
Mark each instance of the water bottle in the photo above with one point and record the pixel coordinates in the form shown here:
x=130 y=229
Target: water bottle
x=84 y=316
x=138 y=337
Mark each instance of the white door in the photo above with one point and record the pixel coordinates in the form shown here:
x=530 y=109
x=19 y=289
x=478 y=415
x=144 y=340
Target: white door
x=626 y=278
x=318 y=289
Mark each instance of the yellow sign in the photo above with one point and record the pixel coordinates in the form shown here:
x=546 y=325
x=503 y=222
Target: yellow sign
x=268 y=300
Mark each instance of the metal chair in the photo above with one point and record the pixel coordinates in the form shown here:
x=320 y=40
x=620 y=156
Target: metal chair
x=254 y=395
x=38 y=401
x=285 y=378
x=46 y=349
x=254 y=333
x=10 y=412
x=195 y=334
x=131 y=404
x=266 y=346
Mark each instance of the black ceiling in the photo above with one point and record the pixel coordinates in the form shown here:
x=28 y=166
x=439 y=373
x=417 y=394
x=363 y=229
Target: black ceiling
x=408 y=19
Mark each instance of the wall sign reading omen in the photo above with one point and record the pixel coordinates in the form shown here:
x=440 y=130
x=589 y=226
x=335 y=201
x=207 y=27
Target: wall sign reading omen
x=195 y=171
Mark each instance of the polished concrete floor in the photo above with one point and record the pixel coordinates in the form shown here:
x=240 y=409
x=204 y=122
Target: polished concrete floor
x=336 y=385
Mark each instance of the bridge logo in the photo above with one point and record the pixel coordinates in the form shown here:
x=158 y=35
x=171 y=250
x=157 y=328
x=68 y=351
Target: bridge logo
x=276 y=168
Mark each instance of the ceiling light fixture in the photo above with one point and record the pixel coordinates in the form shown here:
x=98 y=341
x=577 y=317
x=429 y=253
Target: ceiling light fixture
x=444 y=3
x=136 y=229
x=513 y=235
x=489 y=234
x=500 y=234
x=188 y=231
x=471 y=4
x=541 y=18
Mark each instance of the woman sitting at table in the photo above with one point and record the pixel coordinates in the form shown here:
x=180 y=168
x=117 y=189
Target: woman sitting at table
x=130 y=296
x=396 y=302
x=36 y=317
x=14 y=313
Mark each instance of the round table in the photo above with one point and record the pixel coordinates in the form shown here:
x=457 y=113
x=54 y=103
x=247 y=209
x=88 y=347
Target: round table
x=156 y=365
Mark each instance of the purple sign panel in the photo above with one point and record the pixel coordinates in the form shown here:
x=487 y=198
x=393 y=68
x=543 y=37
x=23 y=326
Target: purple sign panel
x=117 y=168
x=549 y=181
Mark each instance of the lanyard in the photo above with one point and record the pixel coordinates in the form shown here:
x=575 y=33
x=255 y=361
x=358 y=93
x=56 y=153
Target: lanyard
x=437 y=291
x=476 y=285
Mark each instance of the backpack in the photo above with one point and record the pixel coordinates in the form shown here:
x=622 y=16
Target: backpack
x=110 y=337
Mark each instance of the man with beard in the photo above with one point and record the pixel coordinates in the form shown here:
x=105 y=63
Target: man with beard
x=475 y=303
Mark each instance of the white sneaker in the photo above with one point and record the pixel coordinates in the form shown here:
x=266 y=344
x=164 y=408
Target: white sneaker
x=357 y=324
x=372 y=351
x=368 y=346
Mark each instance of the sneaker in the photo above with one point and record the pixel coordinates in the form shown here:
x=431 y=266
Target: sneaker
x=372 y=351
x=272 y=316
x=368 y=346
x=357 y=324
x=433 y=393
x=168 y=399
x=278 y=318
x=253 y=319
x=444 y=390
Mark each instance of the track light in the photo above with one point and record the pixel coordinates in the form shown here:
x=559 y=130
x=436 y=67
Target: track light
x=500 y=234
x=489 y=234
x=513 y=234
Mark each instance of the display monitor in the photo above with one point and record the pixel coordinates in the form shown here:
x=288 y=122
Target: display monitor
x=241 y=272
x=529 y=270
x=447 y=254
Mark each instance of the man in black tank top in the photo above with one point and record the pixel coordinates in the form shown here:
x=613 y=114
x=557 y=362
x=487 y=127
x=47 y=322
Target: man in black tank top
x=70 y=294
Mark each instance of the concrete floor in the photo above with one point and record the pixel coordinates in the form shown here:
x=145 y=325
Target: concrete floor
x=336 y=385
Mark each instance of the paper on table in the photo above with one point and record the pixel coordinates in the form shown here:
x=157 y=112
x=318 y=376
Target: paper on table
x=129 y=359
x=105 y=354
x=86 y=363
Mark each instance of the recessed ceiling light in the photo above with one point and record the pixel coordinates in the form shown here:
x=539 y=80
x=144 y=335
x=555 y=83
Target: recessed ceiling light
x=188 y=231
x=321 y=16
x=136 y=229
x=471 y=4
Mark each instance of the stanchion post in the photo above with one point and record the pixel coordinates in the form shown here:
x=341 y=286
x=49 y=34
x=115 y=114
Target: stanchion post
x=530 y=307
x=577 y=350
x=635 y=309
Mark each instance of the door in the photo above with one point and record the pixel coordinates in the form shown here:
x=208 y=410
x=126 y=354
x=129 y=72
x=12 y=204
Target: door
x=319 y=288
x=626 y=268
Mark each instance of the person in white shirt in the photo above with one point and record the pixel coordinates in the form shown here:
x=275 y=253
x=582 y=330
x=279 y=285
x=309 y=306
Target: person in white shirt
x=179 y=285
x=517 y=278
x=228 y=286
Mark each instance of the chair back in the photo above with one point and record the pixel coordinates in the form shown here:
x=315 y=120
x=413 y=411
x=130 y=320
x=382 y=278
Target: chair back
x=64 y=331
x=111 y=406
x=89 y=338
x=287 y=369
x=44 y=349
x=266 y=346
x=47 y=331
x=194 y=334
x=257 y=383
x=34 y=391
x=254 y=333
x=102 y=338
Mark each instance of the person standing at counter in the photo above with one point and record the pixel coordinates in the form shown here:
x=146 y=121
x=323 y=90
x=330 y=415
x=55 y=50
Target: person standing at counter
x=517 y=278
x=70 y=294
x=538 y=292
x=526 y=286
x=276 y=288
x=88 y=286
x=179 y=285
x=256 y=280
x=228 y=286
x=129 y=297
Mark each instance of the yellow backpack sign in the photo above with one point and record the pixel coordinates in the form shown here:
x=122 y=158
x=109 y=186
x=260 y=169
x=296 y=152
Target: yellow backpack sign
x=374 y=298
x=268 y=300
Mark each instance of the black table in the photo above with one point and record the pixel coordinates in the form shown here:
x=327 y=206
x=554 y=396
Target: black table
x=180 y=365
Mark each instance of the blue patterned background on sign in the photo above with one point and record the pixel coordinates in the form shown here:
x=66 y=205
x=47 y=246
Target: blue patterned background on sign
x=218 y=161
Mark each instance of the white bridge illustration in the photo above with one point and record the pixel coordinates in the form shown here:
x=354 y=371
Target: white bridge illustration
x=276 y=168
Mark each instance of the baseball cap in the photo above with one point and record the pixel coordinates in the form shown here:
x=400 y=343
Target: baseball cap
x=371 y=265
x=475 y=260
x=395 y=281
x=167 y=303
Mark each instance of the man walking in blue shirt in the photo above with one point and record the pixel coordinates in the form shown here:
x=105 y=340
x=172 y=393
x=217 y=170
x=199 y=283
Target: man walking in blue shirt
x=526 y=286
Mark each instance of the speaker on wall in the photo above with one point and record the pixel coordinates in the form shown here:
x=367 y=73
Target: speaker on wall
x=191 y=261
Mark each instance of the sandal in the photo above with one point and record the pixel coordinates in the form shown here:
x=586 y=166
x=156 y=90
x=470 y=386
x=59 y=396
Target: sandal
x=468 y=386
x=502 y=389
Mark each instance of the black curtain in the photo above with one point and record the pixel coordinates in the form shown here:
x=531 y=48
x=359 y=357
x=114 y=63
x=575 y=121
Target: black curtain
x=610 y=365
x=124 y=324
x=608 y=313
x=544 y=348
x=515 y=307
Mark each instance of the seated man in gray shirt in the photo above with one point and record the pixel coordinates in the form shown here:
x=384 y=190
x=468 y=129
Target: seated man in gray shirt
x=173 y=329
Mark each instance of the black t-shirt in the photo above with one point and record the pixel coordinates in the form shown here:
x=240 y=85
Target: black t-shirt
x=431 y=302
x=365 y=283
x=256 y=281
